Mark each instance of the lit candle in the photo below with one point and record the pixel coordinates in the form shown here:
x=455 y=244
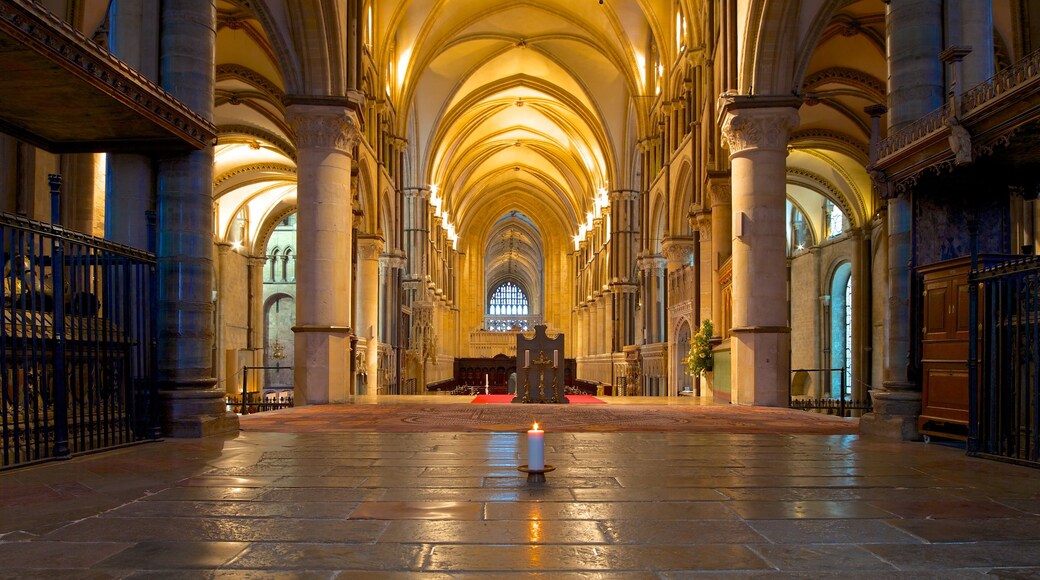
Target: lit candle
x=536 y=449
x=486 y=381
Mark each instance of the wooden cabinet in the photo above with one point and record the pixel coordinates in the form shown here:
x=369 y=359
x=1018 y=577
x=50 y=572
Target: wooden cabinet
x=944 y=346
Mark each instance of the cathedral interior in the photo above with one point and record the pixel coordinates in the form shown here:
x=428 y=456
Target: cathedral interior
x=344 y=199
x=725 y=212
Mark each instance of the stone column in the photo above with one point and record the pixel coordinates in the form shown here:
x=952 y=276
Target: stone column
x=706 y=273
x=655 y=270
x=678 y=252
x=130 y=183
x=722 y=242
x=756 y=130
x=192 y=406
x=624 y=224
x=607 y=306
x=325 y=139
x=369 y=251
x=915 y=89
x=416 y=234
x=977 y=32
x=77 y=192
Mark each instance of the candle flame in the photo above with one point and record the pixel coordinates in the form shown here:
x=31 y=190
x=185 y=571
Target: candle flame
x=536 y=425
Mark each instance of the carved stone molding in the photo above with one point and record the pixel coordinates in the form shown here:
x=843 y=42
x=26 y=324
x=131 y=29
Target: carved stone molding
x=747 y=129
x=678 y=251
x=327 y=126
x=721 y=193
x=652 y=265
x=369 y=248
x=702 y=223
x=411 y=193
x=624 y=195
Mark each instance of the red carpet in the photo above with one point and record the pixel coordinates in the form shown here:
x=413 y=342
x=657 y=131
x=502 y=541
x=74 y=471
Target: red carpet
x=500 y=399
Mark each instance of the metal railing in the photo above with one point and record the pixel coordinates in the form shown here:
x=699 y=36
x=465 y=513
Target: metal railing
x=78 y=350
x=259 y=401
x=1004 y=361
x=843 y=406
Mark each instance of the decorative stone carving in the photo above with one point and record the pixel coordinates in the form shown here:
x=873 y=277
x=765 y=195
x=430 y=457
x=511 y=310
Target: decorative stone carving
x=702 y=223
x=721 y=193
x=370 y=249
x=768 y=128
x=623 y=195
x=679 y=252
x=652 y=265
x=330 y=127
x=960 y=141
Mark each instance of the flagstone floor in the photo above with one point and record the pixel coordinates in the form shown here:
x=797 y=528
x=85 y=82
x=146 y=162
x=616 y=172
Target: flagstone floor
x=448 y=505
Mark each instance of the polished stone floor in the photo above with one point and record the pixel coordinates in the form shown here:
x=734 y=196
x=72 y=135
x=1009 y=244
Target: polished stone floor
x=445 y=505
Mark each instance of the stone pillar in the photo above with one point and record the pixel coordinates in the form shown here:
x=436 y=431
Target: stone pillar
x=325 y=139
x=77 y=192
x=130 y=183
x=624 y=224
x=756 y=130
x=602 y=338
x=977 y=33
x=654 y=269
x=722 y=242
x=416 y=236
x=915 y=89
x=192 y=406
x=369 y=250
x=679 y=253
x=915 y=85
x=607 y=336
x=369 y=290
x=705 y=272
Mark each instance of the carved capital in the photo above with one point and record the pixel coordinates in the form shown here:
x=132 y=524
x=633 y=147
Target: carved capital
x=748 y=129
x=721 y=192
x=652 y=265
x=323 y=126
x=624 y=195
x=702 y=223
x=416 y=193
x=678 y=251
x=369 y=248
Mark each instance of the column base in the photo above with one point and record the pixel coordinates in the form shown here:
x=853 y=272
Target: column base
x=894 y=416
x=194 y=413
x=761 y=366
x=322 y=369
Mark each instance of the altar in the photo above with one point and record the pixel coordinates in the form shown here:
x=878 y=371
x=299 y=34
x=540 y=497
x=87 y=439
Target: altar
x=539 y=368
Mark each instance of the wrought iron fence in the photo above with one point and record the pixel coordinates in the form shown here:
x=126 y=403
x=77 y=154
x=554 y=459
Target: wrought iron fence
x=267 y=398
x=78 y=360
x=843 y=405
x=1004 y=361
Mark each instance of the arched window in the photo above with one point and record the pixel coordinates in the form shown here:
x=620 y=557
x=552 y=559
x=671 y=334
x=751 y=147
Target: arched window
x=836 y=221
x=289 y=266
x=841 y=329
x=509 y=302
x=508 y=299
x=799 y=236
x=680 y=28
x=275 y=259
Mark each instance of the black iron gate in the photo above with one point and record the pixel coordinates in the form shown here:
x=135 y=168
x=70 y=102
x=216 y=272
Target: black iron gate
x=1004 y=361
x=76 y=347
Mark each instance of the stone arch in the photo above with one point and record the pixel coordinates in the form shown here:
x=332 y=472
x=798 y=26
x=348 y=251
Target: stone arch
x=683 y=197
x=658 y=222
x=683 y=334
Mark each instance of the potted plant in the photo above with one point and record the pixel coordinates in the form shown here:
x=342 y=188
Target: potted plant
x=699 y=358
